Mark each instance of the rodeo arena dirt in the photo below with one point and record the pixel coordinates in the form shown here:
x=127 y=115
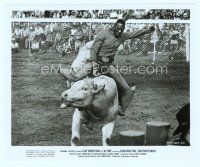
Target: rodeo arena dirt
x=156 y=64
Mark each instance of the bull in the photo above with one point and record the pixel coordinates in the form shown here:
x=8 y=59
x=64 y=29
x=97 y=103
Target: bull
x=95 y=100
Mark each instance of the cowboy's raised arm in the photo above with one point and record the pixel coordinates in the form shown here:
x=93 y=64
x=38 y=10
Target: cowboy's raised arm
x=138 y=33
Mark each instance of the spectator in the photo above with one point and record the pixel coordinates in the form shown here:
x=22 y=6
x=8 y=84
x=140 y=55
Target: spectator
x=58 y=38
x=59 y=48
x=43 y=47
x=23 y=36
x=49 y=39
x=78 y=34
x=14 y=46
x=119 y=14
x=66 y=48
x=38 y=30
x=17 y=33
x=47 y=14
x=85 y=14
x=113 y=14
x=35 y=46
x=65 y=15
x=73 y=30
x=30 y=38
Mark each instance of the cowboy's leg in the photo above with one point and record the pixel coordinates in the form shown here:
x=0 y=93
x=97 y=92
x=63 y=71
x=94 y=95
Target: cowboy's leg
x=74 y=75
x=127 y=92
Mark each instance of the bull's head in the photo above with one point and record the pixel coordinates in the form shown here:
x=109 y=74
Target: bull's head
x=81 y=94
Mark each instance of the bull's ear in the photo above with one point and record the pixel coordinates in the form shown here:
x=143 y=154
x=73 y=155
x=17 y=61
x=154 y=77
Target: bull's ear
x=97 y=88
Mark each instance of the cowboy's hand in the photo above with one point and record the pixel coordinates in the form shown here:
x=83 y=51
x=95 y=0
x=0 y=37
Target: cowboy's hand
x=152 y=29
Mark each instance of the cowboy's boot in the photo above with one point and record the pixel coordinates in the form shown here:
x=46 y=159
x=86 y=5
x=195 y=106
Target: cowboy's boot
x=125 y=100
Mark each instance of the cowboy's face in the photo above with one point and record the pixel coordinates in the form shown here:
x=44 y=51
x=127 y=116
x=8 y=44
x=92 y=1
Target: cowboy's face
x=118 y=29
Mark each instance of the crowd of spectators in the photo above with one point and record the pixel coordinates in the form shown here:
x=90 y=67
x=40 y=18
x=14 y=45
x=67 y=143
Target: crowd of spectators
x=171 y=14
x=67 y=38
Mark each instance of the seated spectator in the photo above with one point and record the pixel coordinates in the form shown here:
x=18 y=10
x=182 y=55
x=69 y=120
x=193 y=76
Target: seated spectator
x=38 y=30
x=138 y=14
x=100 y=16
x=186 y=15
x=35 y=46
x=113 y=14
x=79 y=14
x=72 y=14
x=85 y=14
x=66 y=48
x=65 y=15
x=47 y=14
x=14 y=46
x=43 y=47
x=119 y=14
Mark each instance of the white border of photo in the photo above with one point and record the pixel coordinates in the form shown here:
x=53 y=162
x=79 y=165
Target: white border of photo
x=165 y=156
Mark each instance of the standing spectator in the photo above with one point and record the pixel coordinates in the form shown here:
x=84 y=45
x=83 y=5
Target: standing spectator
x=78 y=34
x=127 y=47
x=58 y=38
x=31 y=36
x=174 y=39
x=49 y=39
x=46 y=28
x=17 y=33
x=77 y=45
x=24 y=36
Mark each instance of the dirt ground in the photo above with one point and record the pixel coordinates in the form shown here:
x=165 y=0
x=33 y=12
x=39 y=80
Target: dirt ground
x=38 y=121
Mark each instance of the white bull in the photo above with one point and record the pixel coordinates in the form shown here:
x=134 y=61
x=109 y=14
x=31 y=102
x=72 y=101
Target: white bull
x=95 y=100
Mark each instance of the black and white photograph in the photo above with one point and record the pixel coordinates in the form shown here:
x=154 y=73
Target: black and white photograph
x=99 y=83
x=96 y=83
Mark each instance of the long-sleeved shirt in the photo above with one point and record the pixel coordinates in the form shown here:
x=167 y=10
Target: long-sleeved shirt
x=106 y=44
